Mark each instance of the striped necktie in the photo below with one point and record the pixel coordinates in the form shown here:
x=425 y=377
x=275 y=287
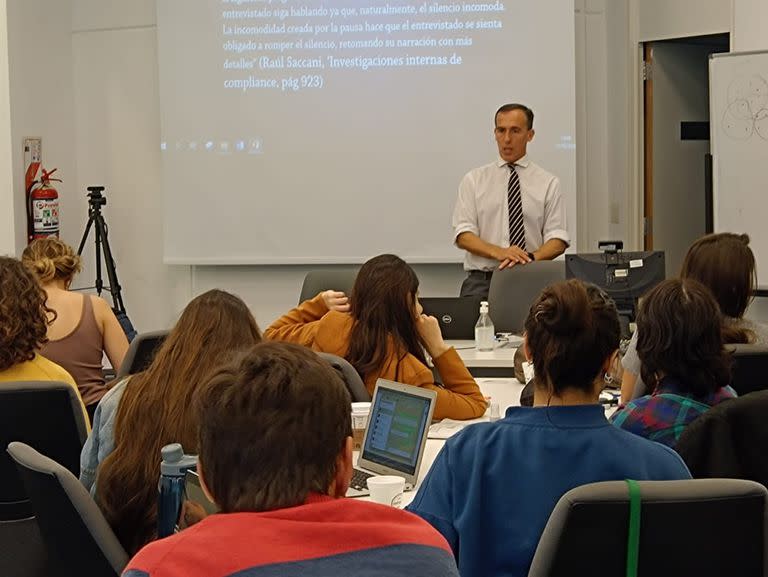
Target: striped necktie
x=515 y=205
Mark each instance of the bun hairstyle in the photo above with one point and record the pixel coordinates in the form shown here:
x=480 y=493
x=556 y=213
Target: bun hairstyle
x=571 y=330
x=679 y=335
x=51 y=259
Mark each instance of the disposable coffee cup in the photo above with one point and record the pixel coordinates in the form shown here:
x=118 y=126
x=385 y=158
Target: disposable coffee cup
x=387 y=489
x=360 y=412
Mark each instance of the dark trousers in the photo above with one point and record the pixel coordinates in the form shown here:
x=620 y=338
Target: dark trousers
x=477 y=284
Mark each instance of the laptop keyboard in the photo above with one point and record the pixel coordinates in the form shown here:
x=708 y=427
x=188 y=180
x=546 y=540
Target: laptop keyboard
x=360 y=480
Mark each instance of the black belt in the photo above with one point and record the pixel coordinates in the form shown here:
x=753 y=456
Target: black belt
x=486 y=274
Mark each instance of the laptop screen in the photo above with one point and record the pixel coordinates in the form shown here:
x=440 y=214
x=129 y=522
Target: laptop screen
x=457 y=315
x=396 y=429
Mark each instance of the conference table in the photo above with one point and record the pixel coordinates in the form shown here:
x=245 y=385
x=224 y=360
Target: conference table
x=496 y=363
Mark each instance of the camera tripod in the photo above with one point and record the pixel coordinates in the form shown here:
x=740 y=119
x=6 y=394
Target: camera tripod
x=95 y=201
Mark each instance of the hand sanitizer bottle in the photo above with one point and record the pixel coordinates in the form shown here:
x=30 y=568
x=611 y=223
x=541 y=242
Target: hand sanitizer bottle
x=484 y=332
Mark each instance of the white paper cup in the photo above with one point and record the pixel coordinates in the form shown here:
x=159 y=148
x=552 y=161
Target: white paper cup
x=387 y=489
x=360 y=412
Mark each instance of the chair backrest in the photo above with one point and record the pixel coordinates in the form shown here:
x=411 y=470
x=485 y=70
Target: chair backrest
x=141 y=352
x=355 y=384
x=703 y=527
x=335 y=278
x=729 y=440
x=46 y=415
x=750 y=368
x=22 y=550
x=513 y=290
x=77 y=536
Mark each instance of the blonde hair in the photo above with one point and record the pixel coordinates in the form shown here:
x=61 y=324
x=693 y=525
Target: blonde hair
x=50 y=259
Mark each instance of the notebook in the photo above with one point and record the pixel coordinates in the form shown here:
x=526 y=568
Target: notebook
x=457 y=315
x=395 y=436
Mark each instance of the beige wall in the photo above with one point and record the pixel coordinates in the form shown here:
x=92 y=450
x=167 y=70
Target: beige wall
x=750 y=25
x=7 y=211
x=662 y=19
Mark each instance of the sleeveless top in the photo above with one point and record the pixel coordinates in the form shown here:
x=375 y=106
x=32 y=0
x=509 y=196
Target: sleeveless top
x=80 y=353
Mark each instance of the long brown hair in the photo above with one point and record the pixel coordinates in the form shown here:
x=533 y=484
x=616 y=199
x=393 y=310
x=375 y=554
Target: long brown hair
x=23 y=321
x=157 y=409
x=382 y=305
x=724 y=263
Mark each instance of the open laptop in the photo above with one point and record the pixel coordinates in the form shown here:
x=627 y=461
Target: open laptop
x=395 y=436
x=457 y=315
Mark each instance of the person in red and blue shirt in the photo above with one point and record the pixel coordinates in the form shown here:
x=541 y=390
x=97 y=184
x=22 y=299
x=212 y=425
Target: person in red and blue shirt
x=276 y=457
x=680 y=345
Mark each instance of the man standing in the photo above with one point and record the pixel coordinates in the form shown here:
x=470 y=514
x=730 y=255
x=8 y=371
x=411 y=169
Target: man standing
x=509 y=212
x=276 y=457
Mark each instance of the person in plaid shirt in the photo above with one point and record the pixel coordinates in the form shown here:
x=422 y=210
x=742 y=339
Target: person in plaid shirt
x=680 y=345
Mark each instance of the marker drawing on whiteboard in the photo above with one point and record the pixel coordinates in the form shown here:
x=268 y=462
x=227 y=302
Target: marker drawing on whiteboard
x=746 y=112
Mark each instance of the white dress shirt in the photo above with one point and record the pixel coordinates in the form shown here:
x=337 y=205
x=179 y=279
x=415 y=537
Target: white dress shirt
x=481 y=208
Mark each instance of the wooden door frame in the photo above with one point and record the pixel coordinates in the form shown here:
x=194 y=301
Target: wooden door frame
x=647 y=146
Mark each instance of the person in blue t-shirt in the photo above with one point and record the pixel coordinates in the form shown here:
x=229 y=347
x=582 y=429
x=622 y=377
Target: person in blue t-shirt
x=494 y=485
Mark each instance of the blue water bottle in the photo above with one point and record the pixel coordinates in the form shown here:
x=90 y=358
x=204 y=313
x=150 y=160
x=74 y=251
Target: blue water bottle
x=173 y=469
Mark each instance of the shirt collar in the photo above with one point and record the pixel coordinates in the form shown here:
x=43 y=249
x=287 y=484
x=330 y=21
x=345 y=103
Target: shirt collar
x=317 y=498
x=522 y=162
x=576 y=416
x=671 y=386
x=668 y=385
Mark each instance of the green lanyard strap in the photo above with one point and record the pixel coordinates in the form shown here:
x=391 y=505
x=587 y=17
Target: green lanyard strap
x=633 y=539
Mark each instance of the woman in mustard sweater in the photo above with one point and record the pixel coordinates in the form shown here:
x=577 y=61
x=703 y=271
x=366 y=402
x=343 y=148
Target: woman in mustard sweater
x=382 y=332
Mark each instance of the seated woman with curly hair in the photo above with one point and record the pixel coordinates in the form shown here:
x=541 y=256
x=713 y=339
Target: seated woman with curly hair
x=84 y=326
x=683 y=359
x=23 y=328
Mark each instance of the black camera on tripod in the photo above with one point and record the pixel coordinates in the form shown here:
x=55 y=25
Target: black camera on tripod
x=95 y=201
x=95 y=198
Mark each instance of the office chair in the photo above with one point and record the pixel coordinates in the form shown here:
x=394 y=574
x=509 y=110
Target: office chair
x=316 y=281
x=78 y=538
x=729 y=440
x=47 y=415
x=513 y=290
x=349 y=375
x=750 y=368
x=141 y=352
x=702 y=527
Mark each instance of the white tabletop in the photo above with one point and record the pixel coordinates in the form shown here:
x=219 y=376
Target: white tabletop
x=502 y=356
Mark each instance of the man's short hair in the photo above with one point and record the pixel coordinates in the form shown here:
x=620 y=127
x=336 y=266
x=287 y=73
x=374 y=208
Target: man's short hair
x=515 y=106
x=272 y=424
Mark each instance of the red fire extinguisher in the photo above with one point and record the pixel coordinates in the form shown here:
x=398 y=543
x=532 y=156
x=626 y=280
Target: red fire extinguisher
x=43 y=207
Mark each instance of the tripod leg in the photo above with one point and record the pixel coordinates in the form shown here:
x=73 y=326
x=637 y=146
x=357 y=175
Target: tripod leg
x=114 y=284
x=85 y=234
x=99 y=281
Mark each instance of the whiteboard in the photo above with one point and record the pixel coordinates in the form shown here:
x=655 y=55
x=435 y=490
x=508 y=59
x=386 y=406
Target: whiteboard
x=738 y=87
